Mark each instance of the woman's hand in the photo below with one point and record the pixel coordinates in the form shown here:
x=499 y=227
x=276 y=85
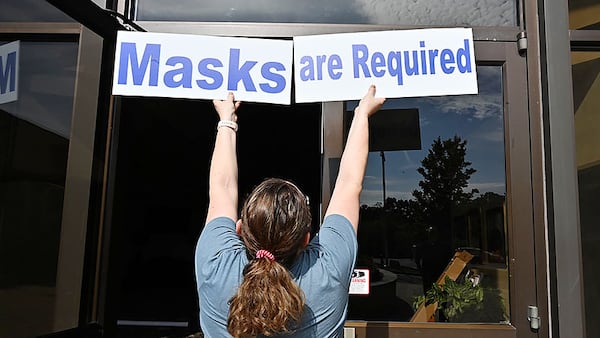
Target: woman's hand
x=227 y=108
x=369 y=104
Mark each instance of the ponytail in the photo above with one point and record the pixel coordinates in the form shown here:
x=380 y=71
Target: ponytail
x=275 y=222
x=268 y=302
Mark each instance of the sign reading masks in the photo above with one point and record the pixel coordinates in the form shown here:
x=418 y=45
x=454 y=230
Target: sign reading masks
x=332 y=67
x=9 y=72
x=202 y=67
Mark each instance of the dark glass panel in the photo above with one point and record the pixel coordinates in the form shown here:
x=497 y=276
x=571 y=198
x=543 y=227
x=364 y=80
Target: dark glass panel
x=34 y=142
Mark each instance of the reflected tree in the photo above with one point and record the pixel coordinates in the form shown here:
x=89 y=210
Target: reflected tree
x=446 y=175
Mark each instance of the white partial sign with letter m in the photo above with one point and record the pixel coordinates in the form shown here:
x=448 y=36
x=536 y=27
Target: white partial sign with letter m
x=9 y=72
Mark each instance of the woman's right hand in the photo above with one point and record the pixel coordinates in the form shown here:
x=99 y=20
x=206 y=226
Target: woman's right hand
x=369 y=104
x=227 y=108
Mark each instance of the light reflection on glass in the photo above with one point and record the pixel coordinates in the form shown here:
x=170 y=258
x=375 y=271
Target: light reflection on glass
x=34 y=143
x=393 y=12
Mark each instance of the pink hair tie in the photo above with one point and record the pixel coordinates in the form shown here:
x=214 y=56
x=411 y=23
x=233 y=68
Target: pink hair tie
x=265 y=253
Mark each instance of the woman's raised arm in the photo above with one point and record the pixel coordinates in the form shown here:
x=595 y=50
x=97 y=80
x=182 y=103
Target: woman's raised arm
x=223 y=177
x=346 y=194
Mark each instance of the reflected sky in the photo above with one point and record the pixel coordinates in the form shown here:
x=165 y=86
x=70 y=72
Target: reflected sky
x=402 y=12
x=475 y=118
x=46 y=85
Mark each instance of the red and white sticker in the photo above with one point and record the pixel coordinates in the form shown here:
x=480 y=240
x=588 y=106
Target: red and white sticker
x=359 y=285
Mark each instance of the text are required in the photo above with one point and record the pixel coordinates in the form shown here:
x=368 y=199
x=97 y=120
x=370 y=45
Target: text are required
x=422 y=62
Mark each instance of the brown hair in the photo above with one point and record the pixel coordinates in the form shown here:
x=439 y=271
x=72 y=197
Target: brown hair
x=275 y=217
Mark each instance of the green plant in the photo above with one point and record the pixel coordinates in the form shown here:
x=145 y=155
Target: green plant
x=453 y=298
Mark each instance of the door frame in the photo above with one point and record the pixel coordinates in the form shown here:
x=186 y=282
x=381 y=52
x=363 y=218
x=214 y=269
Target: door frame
x=519 y=201
x=493 y=46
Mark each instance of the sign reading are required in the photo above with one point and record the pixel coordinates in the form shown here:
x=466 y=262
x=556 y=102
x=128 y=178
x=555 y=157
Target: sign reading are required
x=9 y=72
x=202 y=67
x=332 y=67
x=407 y=63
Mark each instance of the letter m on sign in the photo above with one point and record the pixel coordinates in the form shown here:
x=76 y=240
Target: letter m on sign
x=129 y=57
x=9 y=62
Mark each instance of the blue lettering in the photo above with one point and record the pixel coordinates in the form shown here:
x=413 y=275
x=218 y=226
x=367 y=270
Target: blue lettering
x=378 y=61
x=216 y=76
x=269 y=75
x=138 y=70
x=423 y=62
x=310 y=67
x=414 y=69
x=335 y=63
x=432 y=55
x=464 y=54
x=237 y=73
x=185 y=72
x=360 y=60
x=308 y=71
x=320 y=61
x=446 y=61
x=8 y=73
x=394 y=61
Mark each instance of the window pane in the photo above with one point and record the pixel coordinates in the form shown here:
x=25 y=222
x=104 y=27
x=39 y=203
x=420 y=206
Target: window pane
x=31 y=10
x=586 y=97
x=403 y=12
x=584 y=14
x=435 y=185
x=34 y=141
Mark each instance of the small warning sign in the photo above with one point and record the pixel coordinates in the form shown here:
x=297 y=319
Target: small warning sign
x=359 y=285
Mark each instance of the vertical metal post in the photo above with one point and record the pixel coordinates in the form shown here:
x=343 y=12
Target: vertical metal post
x=383 y=175
x=561 y=172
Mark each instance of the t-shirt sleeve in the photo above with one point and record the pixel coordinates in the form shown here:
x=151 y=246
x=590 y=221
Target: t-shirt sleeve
x=338 y=244
x=217 y=236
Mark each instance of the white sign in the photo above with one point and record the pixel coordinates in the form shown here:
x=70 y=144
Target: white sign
x=407 y=63
x=360 y=282
x=9 y=72
x=202 y=67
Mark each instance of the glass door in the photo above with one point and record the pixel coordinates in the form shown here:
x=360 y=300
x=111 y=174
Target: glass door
x=163 y=150
x=586 y=68
x=447 y=175
x=35 y=141
x=446 y=221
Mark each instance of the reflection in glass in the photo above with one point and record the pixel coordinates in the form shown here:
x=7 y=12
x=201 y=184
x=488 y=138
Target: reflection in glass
x=393 y=12
x=34 y=141
x=429 y=194
x=584 y=14
x=31 y=11
x=586 y=97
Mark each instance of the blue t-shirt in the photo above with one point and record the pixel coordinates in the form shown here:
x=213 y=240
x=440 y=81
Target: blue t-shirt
x=323 y=271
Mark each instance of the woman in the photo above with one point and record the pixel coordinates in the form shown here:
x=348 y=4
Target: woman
x=263 y=275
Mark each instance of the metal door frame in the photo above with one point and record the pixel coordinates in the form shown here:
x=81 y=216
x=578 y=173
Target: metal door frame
x=522 y=281
x=494 y=46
